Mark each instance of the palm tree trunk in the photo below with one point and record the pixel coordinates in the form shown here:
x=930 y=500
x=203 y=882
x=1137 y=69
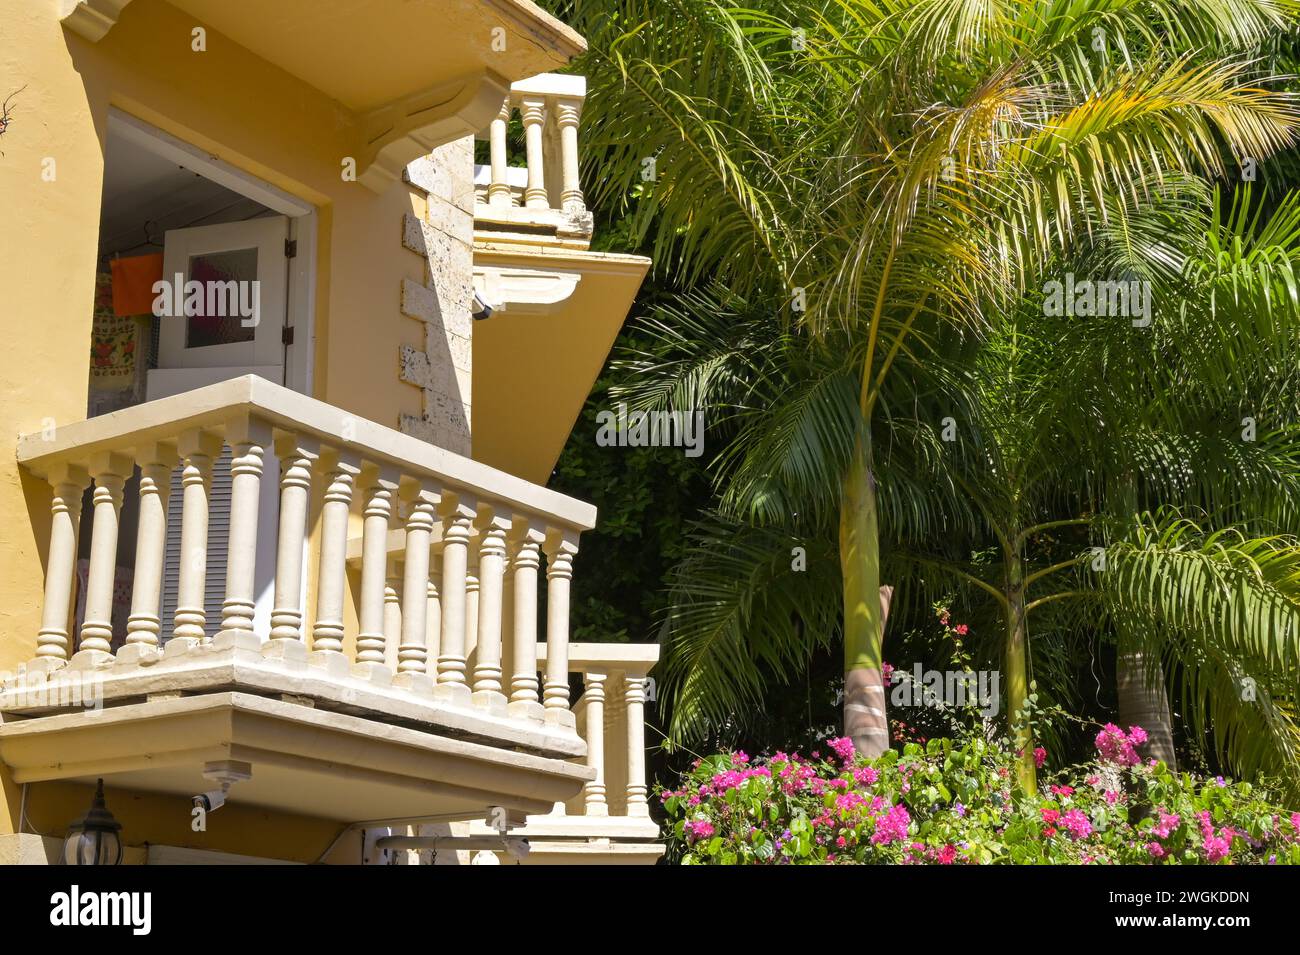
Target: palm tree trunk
x=866 y=605
x=1145 y=704
x=1018 y=675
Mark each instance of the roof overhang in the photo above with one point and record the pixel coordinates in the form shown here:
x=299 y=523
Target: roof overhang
x=413 y=75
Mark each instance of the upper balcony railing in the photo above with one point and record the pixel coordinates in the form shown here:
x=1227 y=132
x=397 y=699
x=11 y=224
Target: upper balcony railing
x=545 y=192
x=460 y=521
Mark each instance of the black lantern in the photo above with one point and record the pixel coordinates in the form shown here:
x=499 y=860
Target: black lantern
x=93 y=839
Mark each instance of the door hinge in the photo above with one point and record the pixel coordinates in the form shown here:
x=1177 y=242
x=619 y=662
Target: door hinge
x=286 y=335
x=290 y=248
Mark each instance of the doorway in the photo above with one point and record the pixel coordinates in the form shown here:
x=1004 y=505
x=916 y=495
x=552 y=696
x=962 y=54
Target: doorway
x=205 y=274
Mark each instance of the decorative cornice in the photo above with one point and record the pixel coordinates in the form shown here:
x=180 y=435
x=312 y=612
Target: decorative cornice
x=91 y=19
x=400 y=133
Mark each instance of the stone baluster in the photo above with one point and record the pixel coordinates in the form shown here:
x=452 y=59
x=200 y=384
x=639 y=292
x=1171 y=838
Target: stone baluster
x=498 y=186
x=561 y=546
x=433 y=610
x=568 y=112
x=331 y=573
x=634 y=692
x=392 y=611
x=494 y=527
x=527 y=542
x=508 y=618
x=248 y=439
x=109 y=471
x=298 y=456
x=67 y=482
x=412 y=655
x=594 y=716
x=457 y=523
x=532 y=110
x=471 y=606
x=379 y=486
x=198 y=452
x=144 y=625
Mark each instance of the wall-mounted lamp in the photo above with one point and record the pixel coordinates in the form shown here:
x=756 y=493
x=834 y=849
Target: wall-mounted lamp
x=93 y=839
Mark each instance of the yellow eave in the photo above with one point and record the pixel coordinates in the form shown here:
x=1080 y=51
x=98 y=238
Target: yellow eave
x=545 y=363
x=413 y=76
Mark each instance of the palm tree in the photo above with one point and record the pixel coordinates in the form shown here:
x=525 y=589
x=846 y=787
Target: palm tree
x=898 y=167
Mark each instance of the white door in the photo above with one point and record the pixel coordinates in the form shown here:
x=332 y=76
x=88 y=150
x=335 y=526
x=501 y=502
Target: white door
x=224 y=308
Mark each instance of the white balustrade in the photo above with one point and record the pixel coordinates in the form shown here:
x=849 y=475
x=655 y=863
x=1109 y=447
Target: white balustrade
x=447 y=550
x=547 y=177
x=611 y=716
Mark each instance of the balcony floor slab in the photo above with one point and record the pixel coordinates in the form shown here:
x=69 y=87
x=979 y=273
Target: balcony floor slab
x=304 y=759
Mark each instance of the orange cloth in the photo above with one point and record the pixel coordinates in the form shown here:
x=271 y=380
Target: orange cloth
x=133 y=281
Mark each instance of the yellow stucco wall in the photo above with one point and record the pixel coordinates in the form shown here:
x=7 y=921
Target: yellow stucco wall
x=248 y=113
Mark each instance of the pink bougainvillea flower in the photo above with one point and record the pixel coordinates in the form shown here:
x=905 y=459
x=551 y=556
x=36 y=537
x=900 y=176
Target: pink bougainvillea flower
x=1040 y=756
x=843 y=748
x=1116 y=746
x=1077 y=824
x=865 y=776
x=697 y=829
x=892 y=826
x=1167 y=824
x=961 y=629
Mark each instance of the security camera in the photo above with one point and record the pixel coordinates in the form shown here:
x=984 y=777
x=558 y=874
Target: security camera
x=210 y=801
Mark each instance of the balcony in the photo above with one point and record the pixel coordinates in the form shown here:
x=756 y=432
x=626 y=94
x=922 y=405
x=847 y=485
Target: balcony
x=608 y=822
x=551 y=297
x=250 y=656
x=542 y=198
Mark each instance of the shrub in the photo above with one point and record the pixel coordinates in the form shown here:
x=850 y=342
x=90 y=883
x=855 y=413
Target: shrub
x=951 y=801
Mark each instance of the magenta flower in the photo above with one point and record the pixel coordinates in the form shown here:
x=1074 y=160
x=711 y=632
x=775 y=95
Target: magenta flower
x=866 y=776
x=697 y=829
x=892 y=826
x=1115 y=746
x=1040 y=756
x=1077 y=823
x=843 y=748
